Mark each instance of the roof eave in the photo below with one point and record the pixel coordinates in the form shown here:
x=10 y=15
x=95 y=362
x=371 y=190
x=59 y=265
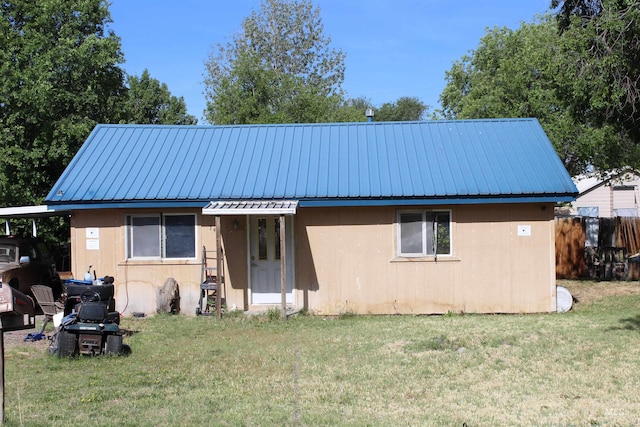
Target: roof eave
x=432 y=201
x=134 y=204
x=324 y=202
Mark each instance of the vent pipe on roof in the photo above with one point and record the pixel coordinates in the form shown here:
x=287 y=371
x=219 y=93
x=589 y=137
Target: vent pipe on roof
x=369 y=113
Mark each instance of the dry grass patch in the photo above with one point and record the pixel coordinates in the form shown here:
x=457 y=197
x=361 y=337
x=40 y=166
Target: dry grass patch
x=577 y=368
x=591 y=291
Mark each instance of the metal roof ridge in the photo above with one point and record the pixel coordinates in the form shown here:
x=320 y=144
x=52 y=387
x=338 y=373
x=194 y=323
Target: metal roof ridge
x=321 y=124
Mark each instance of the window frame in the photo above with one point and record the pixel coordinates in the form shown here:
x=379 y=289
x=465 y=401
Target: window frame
x=426 y=225
x=161 y=236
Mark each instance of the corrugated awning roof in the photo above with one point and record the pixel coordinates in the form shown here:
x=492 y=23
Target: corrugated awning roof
x=251 y=207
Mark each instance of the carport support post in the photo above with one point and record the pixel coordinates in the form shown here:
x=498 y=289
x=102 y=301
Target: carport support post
x=283 y=270
x=2 y=376
x=219 y=278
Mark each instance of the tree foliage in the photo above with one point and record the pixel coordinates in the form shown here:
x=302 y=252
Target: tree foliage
x=150 y=102
x=582 y=9
x=578 y=73
x=352 y=110
x=59 y=77
x=511 y=74
x=600 y=76
x=279 y=68
x=404 y=109
x=521 y=73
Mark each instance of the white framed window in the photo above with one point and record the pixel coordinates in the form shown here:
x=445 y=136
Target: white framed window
x=424 y=233
x=156 y=236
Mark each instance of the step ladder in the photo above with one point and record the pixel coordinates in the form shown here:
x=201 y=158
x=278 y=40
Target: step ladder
x=209 y=282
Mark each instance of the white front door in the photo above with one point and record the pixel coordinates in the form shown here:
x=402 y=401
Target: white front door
x=265 y=258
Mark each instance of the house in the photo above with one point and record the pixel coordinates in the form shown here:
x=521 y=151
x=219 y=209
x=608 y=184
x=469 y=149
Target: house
x=611 y=194
x=379 y=218
x=597 y=233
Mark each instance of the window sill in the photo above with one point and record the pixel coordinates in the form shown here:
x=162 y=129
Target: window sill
x=158 y=261
x=441 y=258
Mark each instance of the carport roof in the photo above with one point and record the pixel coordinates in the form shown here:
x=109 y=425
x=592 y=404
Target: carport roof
x=39 y=211
x=334 y=164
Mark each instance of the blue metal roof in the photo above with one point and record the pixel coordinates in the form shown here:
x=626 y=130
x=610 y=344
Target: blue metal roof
x=465 y=161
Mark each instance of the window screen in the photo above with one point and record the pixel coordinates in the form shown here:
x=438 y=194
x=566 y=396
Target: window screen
x=161 y=236
x=144 y=236
x=180 y=236
x=424 y=233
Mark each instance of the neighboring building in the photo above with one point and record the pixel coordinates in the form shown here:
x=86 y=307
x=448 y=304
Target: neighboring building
x=615 y=193
x=380 y=218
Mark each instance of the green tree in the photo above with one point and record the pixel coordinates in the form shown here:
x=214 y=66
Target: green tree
x=352 y=110
x=581 y=9
x=279 y=68
x=516 y=73
x=404 y=109
x=150 y=102
x=59 y=77
x=598 y=77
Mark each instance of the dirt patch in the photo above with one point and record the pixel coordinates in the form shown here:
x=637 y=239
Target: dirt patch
x=15 y=338
x=591 y=291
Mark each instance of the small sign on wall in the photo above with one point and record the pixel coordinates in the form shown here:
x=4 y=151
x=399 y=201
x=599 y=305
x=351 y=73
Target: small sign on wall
x=93 y=244
x=524 y=230
x=93 y=239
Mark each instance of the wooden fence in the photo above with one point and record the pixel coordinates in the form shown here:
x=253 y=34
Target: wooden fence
x=584 y=245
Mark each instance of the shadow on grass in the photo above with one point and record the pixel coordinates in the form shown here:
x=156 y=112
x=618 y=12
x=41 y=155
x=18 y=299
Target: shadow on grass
x=628 y=324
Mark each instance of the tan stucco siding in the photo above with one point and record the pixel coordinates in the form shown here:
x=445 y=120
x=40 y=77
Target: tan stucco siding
x=347 y=262
x=98 y=251
x=136 y=281
x=501 y=270
x=343 y=259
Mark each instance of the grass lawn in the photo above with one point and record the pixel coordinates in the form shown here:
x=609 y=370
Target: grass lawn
x=577 y=368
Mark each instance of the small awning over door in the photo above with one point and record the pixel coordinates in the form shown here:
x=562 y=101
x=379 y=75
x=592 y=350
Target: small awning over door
x=251 y=207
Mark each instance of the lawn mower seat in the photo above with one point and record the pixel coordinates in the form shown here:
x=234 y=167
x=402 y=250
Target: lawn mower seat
x=92 y=303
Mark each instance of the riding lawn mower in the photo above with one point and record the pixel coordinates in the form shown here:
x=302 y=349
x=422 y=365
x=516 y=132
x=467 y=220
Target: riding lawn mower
x=90 y=325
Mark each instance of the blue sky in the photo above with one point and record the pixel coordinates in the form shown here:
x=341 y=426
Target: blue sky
x=393 y=48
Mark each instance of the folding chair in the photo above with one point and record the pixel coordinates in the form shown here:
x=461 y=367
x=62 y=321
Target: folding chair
x=44 y=297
